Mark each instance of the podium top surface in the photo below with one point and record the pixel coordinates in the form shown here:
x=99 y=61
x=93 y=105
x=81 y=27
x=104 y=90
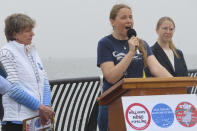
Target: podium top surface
x=143 y=84
x=160 y=79
x=163 y=82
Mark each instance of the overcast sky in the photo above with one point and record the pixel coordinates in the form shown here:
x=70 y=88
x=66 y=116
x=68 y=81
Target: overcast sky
x=72 y=28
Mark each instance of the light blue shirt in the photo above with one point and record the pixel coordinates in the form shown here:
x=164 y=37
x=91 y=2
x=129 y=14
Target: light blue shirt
x=4 y=85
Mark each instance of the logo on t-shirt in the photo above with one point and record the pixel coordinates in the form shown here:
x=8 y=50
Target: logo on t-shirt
x=118 y=56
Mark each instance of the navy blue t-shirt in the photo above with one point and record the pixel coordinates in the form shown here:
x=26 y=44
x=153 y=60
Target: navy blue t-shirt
x=111 y=49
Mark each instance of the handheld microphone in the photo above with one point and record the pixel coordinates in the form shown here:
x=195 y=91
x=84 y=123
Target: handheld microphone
x=130 y=33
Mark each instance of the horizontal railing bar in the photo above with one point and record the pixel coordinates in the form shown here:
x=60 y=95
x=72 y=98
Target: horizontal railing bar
x=74 y=80
x=192 y=71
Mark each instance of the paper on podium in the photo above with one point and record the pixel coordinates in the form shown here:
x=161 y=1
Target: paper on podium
x=32 y=124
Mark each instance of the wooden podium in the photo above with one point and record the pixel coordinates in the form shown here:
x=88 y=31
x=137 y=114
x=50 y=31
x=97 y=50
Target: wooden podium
x=140 y=87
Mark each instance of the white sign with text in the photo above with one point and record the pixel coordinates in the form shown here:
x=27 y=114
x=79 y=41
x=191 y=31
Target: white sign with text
x=160 y=112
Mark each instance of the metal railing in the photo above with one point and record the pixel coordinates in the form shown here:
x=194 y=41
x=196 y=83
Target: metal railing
x=193 y=73
x=74 y=102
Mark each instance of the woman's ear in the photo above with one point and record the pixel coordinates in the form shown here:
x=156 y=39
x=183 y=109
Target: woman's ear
x=112 y=22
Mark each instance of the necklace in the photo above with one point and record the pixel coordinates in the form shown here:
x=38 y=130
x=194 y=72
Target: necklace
x=122 y=42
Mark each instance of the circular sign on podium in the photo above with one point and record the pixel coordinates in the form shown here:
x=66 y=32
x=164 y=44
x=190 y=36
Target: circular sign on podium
x=186 y=114
x=138 y=116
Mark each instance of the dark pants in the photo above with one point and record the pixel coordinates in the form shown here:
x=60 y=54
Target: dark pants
x=103 y=118
x=11 y=127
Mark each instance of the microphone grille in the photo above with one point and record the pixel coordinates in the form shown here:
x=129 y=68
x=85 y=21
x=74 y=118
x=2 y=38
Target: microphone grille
x=131 y=32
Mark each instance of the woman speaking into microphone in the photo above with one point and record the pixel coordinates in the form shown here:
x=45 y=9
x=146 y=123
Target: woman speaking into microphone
x=117 y=57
